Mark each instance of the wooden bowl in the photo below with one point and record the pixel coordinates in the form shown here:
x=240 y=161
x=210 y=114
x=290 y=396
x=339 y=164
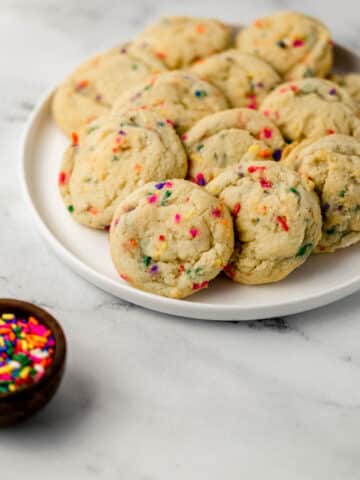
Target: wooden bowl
x=21 y=404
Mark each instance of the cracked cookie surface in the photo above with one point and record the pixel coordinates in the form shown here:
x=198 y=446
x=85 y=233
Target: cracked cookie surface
x=296 y=45
x=277 y=219
x=221 y=139
x=171 y=238
x=333 y=164
x=113 y=156
x=93 y=87
x=311 y=108
x=181 y=97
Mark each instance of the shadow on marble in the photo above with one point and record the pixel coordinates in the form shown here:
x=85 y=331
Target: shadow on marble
x=68 y=409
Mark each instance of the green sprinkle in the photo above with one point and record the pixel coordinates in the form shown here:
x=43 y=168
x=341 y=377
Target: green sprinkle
x=356 y=208
x=115 y=158
x=71 y=208
x=330 y=231
x=198 y=270
x=87 y=179
x=342 y=193
x=309 y=72
x=147 y=260
x=134 y=66
x=303 y=250
x=199 y=147
x=92 y=129
x=188 y=272
x=167 y=195
x=148 y=87
x=293 y=190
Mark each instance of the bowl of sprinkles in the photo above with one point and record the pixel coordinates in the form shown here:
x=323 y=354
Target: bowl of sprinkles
x=32 y=359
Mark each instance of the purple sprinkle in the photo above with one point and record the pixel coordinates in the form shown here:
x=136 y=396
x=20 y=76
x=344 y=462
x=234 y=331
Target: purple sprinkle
x=325 y=207
x=121 y=132
x=160 y=185
x=277 y=154
x=153 y=269
x=332 y=91
x=98 y=98
x=201 y=181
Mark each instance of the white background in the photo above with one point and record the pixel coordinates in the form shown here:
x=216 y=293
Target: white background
x=147 y=396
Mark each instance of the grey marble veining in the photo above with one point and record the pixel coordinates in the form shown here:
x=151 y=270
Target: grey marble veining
x=147 y=396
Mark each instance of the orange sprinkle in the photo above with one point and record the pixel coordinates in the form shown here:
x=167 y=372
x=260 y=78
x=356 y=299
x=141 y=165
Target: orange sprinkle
x=82 y=84
x=93 y=210
x=138 y=167
x=200 y=28
x=133 y=243
x=74 y=139
x=160 y=55
x=264 y=153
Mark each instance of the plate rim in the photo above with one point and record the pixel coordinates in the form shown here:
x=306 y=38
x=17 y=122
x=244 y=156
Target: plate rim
x=177 y=307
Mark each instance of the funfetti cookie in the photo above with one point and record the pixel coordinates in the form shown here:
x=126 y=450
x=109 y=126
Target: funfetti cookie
x=277 y=219
x=92 y=88
x=179 y=41
x=312 y=107
x=221 y=139
x=332 y=163
x=171 y=238
x=243 y=78
x=181 y=97
x=113 y=156
x=297 y=45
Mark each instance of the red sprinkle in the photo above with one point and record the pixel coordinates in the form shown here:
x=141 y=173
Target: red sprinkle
x=329 y=131
x=162 y=238
x=193 y=232
x=228 y=269
x=199 y=286
x=63 y=178
x=253 y=169
x=152 y=198
x=282 y=221
x=216 y=212
x=265 y=183
x=298 y=42
x=236 y=209
x=177 y=218
x=267 y=132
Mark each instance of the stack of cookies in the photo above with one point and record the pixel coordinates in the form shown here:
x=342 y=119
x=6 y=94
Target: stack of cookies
x=205 y=150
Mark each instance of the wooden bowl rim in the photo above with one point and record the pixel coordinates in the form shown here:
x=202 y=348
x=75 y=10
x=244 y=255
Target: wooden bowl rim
x=47 y=319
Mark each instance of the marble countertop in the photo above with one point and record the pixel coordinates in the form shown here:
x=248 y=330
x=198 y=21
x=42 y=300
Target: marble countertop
x=147 y=396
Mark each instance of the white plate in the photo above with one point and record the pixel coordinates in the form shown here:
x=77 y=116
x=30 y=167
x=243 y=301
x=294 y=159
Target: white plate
x=323 y=279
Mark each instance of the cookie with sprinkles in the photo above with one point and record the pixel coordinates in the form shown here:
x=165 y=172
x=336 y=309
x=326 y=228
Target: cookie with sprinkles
x=276 y=215
x=111 y=157
x=171 y=238
x=332 y=163
x=296 y=45
x=311 y=107
x=220 y=140
x=92 y=88
x=181 y=97
x=351 y=83
x=244 y=78
x=179 y=40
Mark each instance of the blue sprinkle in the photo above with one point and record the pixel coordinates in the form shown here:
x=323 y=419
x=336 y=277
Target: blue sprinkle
x=277 y=154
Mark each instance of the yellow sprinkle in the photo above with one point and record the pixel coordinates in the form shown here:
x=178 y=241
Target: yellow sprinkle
x=25 y=372
x=189 y=214
x=2 y=342
x=217 y=263
x=161 y=249
x=5 y=369
x=24 y=344
x=254 y=149
x=7 y=316
x=12 y=387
